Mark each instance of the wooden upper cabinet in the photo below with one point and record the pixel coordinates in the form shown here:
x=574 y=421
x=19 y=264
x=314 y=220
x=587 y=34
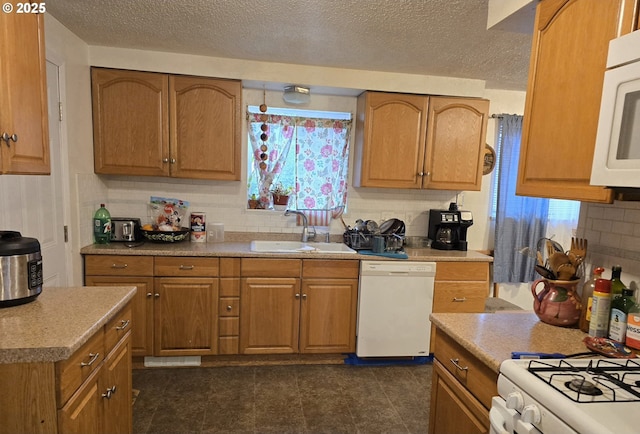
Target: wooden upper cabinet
x=23 y=95
x=154 y=124
x=419 y=141
x=456 y=138
x=130 y=122
x=390 y=140
x=205 y=127
x=568 y=60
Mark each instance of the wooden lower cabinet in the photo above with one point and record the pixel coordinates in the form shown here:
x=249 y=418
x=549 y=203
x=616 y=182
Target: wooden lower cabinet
x=461 y=389
x=88 y=393
x=453 y=409
x=286 y=315
x=103 y=403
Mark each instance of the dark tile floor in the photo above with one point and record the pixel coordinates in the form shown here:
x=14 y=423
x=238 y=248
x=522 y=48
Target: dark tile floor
x=283 y=399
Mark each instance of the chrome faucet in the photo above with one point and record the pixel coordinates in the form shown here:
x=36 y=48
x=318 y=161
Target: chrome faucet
x=306 y=234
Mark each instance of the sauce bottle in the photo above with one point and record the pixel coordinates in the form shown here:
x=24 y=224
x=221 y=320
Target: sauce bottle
x=601 y=309
x=616 y=283
x=620 y=306
x=633 y=327
x=587 y=299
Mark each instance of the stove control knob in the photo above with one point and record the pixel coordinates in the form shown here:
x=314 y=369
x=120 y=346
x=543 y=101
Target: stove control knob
x=531 y=414
x=515 y=401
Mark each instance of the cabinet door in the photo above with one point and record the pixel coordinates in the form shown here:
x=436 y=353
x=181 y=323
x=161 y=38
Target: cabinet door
x=23 y=94
x=142 y=305
x=205 y=128
x=456 y=137
x=390 y=140
x=82 y=414
x=563 y=96
x=185 y=316
x=453 y=408
x=328 y=319
x=130 y=122
x=115 y=382
x=269 y=322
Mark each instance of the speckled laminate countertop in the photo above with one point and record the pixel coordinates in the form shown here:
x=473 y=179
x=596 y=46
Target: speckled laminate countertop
x=57 y=322
x=493 y=336
x=243 y=249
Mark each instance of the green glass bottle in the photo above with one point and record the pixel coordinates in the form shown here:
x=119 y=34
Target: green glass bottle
x=102 y=226
x=616 y=283
x=620 y=307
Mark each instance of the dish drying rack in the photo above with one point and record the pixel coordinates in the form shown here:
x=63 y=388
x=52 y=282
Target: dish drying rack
x=359 y=240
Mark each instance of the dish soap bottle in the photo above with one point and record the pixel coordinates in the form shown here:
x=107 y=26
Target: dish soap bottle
x=620 y=306
x=633 y=327
x=102 y=226
x=587 y=299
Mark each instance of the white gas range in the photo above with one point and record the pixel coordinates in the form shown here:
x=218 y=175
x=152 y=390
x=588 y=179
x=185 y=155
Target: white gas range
x=557 y=396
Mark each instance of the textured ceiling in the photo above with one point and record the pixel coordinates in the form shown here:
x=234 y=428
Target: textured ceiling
x=428 y=37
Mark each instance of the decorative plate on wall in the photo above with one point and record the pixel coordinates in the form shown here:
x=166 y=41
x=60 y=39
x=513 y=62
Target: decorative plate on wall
x=489 y=160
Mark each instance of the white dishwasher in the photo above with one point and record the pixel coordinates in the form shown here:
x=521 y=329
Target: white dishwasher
x=394 y=302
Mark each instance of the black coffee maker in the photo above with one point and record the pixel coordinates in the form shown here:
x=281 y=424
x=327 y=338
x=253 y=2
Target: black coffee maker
x=448 y=228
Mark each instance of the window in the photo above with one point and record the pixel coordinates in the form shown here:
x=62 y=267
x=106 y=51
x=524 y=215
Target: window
x=305 y=151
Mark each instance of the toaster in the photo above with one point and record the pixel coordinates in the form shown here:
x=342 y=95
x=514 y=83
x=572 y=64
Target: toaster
x=126 y=229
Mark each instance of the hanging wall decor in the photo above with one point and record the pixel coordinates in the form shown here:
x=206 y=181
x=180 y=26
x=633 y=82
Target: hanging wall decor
x=264 y=137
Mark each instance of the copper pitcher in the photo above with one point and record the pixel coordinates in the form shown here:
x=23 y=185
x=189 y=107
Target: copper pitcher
x=558 y=303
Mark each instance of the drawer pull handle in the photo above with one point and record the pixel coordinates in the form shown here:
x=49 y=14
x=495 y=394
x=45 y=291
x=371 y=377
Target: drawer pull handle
x=229 y=308
x=123 y=324
x=457 y=365
x=109 y=392
x=94 y=357
x=459 y=300
x=187 y=267
x=119 y=266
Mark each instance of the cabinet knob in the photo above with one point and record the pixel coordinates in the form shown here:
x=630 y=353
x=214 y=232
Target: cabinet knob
x=173 y=161
x=420 y=173
x=304 y=296
x=297 y=295
x=156 y=295
x=149 y=294
x=7 y=138
x=165 y=160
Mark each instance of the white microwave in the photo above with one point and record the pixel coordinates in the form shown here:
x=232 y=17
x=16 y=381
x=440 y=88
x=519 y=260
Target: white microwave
x=616 y=160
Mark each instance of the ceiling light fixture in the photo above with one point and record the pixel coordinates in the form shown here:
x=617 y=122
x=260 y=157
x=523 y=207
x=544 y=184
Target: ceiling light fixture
x=296 y=94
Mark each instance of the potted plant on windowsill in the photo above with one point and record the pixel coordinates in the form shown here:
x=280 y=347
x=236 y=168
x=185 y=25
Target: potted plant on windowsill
x=280 y=195
x=254 y=202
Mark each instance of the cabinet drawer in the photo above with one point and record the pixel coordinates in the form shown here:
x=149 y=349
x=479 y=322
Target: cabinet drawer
x=115 y=265
x=474 y=375
x=115 y=329
x=186 y=266
x=230 y=287
x=229 y=326
x=253 y=267
x=459 y=297
x=339 y=269
x=77 y=368
x=229 y=306
x=228 y=345
x=478 y=271
x=229 y=267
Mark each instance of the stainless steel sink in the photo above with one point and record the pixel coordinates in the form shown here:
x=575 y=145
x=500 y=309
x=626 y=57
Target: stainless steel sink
x=262 y=246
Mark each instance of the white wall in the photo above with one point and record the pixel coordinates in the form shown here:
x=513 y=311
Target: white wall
x=225 y=201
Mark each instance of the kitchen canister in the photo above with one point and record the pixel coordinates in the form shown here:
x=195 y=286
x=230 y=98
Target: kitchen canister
x=216 y=233
x=198 y=227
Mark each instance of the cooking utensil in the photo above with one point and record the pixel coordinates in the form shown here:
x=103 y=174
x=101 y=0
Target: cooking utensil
x=392 y=226
x=372 y=226
x=566 y=272
x=556 y=259
x=526 y=355
x=579 y=247
x=359 y=226
x=545 y=272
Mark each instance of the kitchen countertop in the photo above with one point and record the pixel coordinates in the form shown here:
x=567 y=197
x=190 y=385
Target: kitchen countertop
x=239 y=247
x=57 y=322
x=493 y=336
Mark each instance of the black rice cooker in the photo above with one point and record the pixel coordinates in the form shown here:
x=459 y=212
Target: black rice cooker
x=20 y=269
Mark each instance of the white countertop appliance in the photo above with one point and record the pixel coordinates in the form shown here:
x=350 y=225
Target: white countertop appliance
x=395 y=300
x=616 y=158
x=560 y=396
